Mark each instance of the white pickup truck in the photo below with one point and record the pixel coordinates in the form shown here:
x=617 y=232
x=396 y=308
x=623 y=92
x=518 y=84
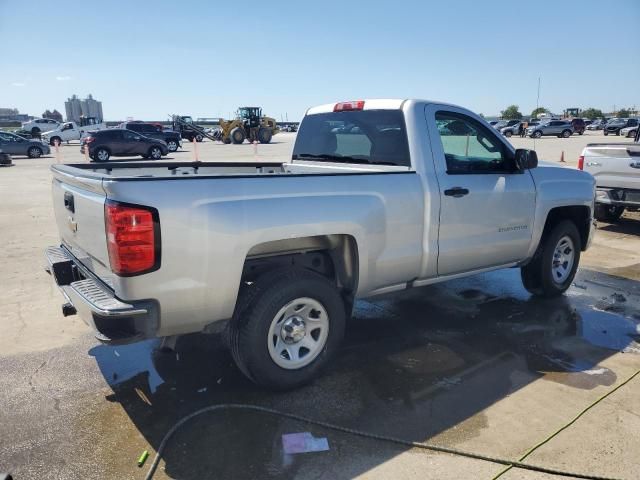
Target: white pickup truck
x=65 y=132
x=616 y=168
x=379 y=196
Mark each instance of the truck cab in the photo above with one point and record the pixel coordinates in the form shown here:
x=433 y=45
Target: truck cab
x=68 y=131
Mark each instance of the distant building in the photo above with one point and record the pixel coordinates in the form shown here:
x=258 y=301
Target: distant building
x=12 y=115
x=55 y=115
x=89 y=107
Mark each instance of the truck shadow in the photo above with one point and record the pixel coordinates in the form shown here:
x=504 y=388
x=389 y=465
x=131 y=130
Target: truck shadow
x=421 y=366
x=627 y=224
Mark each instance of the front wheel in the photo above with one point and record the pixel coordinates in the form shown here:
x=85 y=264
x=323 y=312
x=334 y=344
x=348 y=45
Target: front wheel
x=102 y=155
x=264 y=135
x=606 y=133
x=155 y=153
x=537 y=134
x=199 y=138
x=34 y=152
x=507 y=134
x=172 y=145
x=555 y=263
x=608 y=213
x=287 y=325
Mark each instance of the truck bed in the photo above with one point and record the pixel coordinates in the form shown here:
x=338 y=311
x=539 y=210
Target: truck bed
x=176 y=170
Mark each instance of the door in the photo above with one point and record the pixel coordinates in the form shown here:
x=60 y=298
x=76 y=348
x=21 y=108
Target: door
x=132 y=143
x=10 y=144
x=486 y=205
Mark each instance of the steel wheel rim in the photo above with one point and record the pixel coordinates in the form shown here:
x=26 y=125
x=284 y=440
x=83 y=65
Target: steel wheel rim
x=298 y=333
x=563 y=259
x=102 y=155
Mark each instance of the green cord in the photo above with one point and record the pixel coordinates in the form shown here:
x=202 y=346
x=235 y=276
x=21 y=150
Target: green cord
x=567 y=425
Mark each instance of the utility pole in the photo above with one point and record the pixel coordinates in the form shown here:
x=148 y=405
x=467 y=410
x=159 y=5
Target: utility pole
x=538 y=97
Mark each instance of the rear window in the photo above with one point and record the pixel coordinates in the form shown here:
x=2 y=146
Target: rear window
x=376 y=137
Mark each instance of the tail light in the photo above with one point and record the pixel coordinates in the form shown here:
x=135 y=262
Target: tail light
x=133 y=238
x=581 y=162
x=349 y=106
x=89 y=139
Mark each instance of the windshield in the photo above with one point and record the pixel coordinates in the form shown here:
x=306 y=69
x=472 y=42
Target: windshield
x=369 y=136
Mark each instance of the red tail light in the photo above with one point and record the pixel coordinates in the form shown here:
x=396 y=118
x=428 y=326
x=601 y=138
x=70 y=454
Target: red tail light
x=133 y=238
x=347 y=106
x=89 y=139
x=581 y=162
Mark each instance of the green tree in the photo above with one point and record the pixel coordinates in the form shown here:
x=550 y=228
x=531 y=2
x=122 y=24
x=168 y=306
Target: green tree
x=592 y=113
x=623 y=113
x=536 y=111
x=511 y=113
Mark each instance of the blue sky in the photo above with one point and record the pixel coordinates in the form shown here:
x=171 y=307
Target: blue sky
x=148 y=59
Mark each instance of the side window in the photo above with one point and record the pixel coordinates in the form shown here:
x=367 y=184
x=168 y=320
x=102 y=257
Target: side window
x=130 y=135
x=134 y=126
x=469 y=147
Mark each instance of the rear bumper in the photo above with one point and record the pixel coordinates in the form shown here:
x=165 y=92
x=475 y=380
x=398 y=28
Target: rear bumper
x=622 y=197
x=113 y=321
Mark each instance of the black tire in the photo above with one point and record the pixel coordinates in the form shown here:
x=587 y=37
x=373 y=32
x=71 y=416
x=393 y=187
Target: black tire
x=172 y=145
x=226 y=140
x=537 y=134
x=34 y=152
x=608 y=213
x=508 y=133
x=537 y=276
x=199 y=138
x=155 y=153
x=606 y=133
x=35 y=131
x=618 y=133
x=53 y=140
x=581 y=133
x=101 y=155
x=566 y=133
x=259 y=303
x=237 y=135
x=264 y=135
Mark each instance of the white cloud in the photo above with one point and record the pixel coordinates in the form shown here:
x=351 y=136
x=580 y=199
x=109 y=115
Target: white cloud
x=19 y=84
x=63 y=78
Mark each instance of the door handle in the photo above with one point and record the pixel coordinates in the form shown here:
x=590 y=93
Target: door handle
x=456 y=192
x=593 y=164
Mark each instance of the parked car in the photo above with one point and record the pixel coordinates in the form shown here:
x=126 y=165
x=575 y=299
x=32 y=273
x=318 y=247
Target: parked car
x=17 y=145
x=277 y=253
x=514 y=129
x=616 y=168
x=120 y=142
x=629 y=132
x=587 y=122
x=171 y=138
x=596 y=125
x=559 y=128
x=578 y=125
x=505 y=123
x=72 y=131
x=616 y=124
x=39 y=125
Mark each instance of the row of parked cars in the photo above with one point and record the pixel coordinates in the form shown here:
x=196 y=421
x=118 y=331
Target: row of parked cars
x=565 y=128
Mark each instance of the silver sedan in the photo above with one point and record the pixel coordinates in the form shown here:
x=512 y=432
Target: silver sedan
x=16 y=145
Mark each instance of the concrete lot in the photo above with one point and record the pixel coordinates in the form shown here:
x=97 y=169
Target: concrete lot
x=474 y=364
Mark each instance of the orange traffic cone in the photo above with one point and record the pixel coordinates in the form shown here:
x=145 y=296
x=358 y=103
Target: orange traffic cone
x=562 y=157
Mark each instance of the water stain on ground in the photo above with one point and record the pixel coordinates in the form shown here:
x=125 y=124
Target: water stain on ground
x=423 y=365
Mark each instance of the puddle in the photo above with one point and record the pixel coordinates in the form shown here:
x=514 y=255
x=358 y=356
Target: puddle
x=122 y=363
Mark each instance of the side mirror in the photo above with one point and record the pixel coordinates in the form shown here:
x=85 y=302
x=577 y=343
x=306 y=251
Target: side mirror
x=526 y=159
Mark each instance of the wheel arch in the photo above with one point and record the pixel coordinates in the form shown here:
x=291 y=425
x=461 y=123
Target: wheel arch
x=580 y=215
x=334 y=256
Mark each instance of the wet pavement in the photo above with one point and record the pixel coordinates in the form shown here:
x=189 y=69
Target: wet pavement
x=476 y=364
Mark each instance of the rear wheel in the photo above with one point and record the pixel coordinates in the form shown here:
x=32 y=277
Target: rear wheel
x=199 y=138
x=508 y=133
x=608 y=213
x=566 y=133
x=554 y=265
x=101 y=155
x=34 y=152
x=537 y=134
x=288 y=324
x=155 y=153
x=606 y=133
x=237 y=135
x=264 y=135
x=618 y=133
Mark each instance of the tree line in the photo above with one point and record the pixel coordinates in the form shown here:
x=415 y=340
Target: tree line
x=512 y=112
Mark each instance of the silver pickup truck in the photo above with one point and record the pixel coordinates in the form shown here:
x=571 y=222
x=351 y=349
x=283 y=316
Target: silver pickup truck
x=616 y=168
x=379 y=196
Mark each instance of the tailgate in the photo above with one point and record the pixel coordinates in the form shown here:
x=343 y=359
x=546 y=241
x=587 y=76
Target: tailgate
x=614 y=166
x=78 y=205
